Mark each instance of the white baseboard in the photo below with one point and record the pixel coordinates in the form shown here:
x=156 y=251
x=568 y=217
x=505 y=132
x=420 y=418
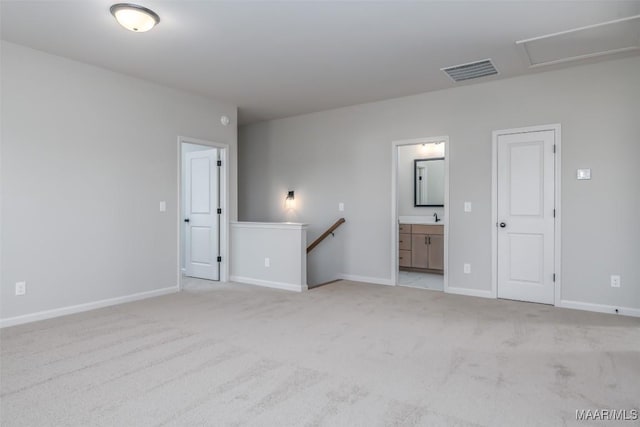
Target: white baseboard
x=269 y=284
x=365 y=279
x=599 y=308
x=63 y=311
x=469 y=292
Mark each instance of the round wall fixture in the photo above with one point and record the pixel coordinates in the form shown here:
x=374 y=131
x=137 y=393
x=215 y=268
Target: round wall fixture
x=134 y=18
x=225 y=120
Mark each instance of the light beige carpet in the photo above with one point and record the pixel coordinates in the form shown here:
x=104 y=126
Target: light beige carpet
x=344 y=354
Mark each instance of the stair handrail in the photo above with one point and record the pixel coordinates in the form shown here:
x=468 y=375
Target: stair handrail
x=324 y=235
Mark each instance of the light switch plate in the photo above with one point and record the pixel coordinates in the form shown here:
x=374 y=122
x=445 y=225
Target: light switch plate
x=267 y=262
x=584 y=174
x=163 y=206
x=341 y=206
x=467 y=269
x=467 y=206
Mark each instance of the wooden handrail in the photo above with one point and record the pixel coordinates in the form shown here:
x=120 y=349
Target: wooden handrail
x=324 y=235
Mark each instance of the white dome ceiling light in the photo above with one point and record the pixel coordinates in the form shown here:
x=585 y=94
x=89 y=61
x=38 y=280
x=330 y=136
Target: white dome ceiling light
x=134 y=18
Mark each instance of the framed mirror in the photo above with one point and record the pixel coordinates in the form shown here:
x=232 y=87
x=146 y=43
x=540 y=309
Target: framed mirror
x=428 y=182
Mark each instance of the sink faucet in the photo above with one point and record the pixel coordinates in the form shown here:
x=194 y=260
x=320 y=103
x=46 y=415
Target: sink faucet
x=435 y=215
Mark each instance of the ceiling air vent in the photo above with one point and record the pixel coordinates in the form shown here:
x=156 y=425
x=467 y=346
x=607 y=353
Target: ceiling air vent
x=473 y=70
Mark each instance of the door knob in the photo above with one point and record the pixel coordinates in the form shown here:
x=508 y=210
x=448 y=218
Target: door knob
x=186 y=220
x=503 y=225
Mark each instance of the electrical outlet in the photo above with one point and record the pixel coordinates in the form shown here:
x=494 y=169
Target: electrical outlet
x=21 y=288
x=467 y=269
x=267 y=262
x=615 y=281
x=341 y=206
x=467 y=206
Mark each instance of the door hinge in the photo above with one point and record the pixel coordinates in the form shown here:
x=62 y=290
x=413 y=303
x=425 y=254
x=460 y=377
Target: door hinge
x=554 y=213
x=219 y=163
x=554 y=148
x=220 y=211
x=219 y=259
x=554 y=277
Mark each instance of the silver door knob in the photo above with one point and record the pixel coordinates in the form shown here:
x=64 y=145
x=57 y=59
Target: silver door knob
x=503 y=225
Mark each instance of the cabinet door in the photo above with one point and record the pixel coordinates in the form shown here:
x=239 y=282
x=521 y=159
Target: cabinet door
x=404 y=258
x=436 y=252
x=404 y=242
x=419 y=251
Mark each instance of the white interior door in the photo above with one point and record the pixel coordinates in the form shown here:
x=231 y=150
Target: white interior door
x=201 y=215
x=526 y=182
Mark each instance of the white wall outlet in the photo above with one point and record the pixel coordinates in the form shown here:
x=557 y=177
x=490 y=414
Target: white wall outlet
x=341 y=206
x=615 y=281
x=21 y=288
x=467 y=269
x=163 y=206
x=267 y=262
x=467 y=206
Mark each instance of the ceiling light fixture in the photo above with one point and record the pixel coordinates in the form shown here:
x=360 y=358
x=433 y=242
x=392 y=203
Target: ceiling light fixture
x=134 y=18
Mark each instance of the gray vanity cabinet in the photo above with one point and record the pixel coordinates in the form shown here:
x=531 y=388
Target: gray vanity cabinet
x=421 y=247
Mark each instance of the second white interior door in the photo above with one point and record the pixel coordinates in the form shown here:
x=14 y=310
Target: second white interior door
x=201 y=214
x=526 y=226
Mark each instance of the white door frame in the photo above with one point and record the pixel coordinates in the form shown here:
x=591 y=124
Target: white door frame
x=224 y=198
x=394 y=203
x=556 y=128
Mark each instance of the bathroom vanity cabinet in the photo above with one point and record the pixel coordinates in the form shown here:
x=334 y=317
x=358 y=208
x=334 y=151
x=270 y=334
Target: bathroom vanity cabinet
x=421 y=247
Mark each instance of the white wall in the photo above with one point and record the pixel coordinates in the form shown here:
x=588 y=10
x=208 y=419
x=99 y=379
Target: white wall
x=345 y=155
x=87 y=154
x=406 y=155
x=283 y=244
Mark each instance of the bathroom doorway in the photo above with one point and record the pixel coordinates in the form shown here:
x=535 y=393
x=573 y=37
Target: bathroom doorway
x=419 y=213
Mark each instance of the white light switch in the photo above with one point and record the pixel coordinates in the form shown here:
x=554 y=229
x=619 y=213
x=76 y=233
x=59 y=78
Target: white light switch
x=467 y=269
x=584 y=174
x=467 y=206
x=267 y=262
x=341 y=206
x=163 y=206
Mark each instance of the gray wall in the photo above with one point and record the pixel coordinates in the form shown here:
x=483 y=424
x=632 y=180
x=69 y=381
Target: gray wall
x=283 y=244
x=87 y=155
x=345 y=155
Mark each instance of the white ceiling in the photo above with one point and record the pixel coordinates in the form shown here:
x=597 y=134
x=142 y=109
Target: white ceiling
x=277 y=59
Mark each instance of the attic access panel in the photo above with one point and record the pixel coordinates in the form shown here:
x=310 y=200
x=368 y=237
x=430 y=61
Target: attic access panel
x=607 y=38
